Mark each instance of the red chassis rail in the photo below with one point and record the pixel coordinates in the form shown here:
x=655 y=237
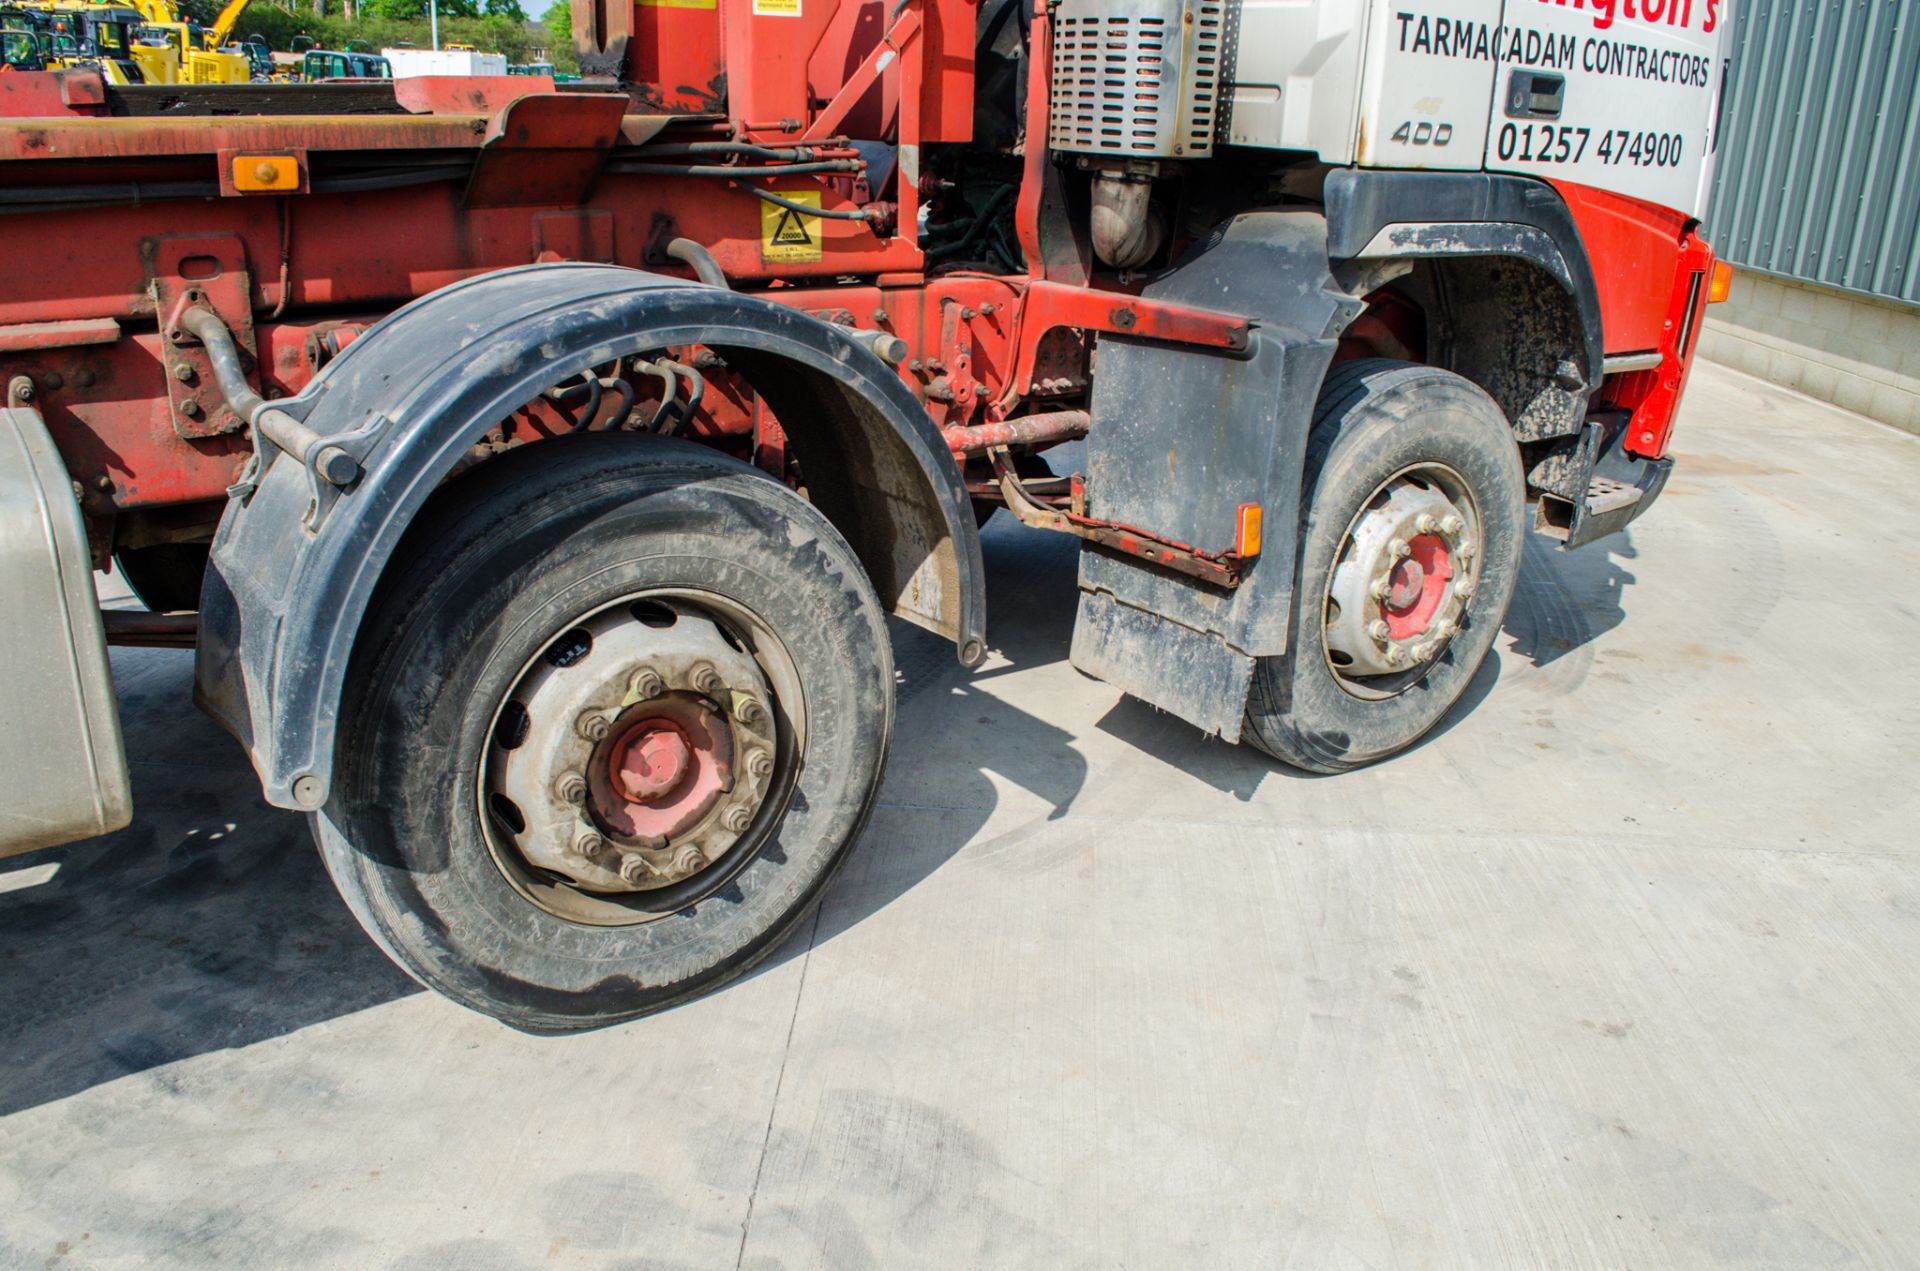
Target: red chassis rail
x=126 y=215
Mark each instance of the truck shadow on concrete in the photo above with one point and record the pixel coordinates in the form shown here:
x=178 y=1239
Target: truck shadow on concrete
x=209 y=923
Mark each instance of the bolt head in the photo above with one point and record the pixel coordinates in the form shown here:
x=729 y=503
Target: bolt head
x=1395 y=655
x=1451 y=526
x=748 y=711
x=191 y=409
x=1378 y=630
x=737 y=818
x=1398 y=549
x=592 y=725
x=1464 y=589
x=1444 y=628
x=1381 y=586
x=688 y=859
x=183 y=372
x=589 y=844
x=571 y=787
x=1426 y=524
x=759 y=765
x=707 y=680
x=647 y=684
x=634 y=868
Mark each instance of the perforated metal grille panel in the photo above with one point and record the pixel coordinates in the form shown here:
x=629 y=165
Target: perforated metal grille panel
x=1136 y=78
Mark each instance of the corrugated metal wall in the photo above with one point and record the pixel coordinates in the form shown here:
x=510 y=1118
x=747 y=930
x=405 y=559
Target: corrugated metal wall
x=1819 y=168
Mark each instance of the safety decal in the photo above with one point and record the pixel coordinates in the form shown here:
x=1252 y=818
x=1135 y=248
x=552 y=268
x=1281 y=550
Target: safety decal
x=776 y=8
x=789 y=236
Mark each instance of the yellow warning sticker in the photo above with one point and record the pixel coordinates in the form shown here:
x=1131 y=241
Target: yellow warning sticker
x=680 y=4
x=776 y=8
x=789 y=237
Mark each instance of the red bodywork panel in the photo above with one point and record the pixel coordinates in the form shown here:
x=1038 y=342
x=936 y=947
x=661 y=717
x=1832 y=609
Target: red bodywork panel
x=1651 y=269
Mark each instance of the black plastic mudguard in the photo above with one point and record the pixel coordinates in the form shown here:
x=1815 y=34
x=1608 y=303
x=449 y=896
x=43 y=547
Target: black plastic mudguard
x=295 y=562
x=1180 y=439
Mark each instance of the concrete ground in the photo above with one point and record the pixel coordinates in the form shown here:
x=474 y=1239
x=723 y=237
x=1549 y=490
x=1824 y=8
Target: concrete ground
x=1617 y=969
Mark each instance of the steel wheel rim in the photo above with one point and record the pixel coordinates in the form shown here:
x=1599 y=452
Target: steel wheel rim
x=1397 y=537
x=591 y=889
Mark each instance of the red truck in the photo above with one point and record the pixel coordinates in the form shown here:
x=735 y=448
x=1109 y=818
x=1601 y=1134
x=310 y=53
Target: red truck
x=533 y=470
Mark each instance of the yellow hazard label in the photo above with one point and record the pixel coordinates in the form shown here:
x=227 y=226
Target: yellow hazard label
x=777 y=8
x=680 y=4
x=788 y=237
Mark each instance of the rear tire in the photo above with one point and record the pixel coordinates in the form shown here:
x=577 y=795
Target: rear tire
x=502 y=569
x=1380 y=427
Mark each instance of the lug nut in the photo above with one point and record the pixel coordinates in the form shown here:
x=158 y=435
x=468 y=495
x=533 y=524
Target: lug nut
x=1452 y=526
x=1464 y=589
x=634 y=868
x=707 y=680
x=647 y=684
x=1395 y=655
x=592 y=725
x=1379 y=630
x=759 y=765
x=589 y=844
x=1398 y=548
x=688 y=859
x=747 y=710
x=1381 y=586
x=737 y=818
x=1444 y=628
x=571 y=787
x=1426 y=524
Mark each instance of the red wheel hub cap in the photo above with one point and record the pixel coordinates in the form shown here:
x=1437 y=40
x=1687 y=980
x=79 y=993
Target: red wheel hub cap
x=651 y=760
x=1416 y=587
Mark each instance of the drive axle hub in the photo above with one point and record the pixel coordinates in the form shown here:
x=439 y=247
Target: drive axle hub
x=649 y=745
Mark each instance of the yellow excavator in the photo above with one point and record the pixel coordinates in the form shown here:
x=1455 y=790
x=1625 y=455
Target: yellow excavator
x=171 y=50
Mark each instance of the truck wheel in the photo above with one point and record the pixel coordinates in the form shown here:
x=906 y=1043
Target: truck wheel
x=622 y=712
x=1410 y=539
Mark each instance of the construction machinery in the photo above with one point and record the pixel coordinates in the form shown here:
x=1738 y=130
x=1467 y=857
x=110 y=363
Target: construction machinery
x=533 y=471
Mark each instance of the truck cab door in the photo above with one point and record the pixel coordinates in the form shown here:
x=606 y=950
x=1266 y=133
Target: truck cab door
x=1619 y=95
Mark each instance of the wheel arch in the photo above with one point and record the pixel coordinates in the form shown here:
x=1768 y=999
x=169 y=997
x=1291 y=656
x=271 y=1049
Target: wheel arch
x=1500 y=266
x=295 y=562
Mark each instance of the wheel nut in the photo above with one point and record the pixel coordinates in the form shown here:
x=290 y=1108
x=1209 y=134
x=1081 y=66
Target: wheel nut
x=1444 y=628
x=1452 y=526
x=1381 y=586
x=688 y=859
x=747 y=710
x=1395 y=655
x=1379 y=630
x=759 y=765
x=571 y=787
x=737 y=818
x=1426 y=524
x=592 y=725
x=647 y=685
x=588 y=844
x=1398 y=548
x=707 y=680
x=1464 y=589
x=634 y=868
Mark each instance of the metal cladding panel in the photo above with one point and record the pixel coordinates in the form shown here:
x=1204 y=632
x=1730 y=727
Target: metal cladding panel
x=1819 y=174
x=1137 y=79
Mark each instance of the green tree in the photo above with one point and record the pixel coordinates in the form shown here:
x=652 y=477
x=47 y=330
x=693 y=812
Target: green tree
x=559 y=23
x=508 y=9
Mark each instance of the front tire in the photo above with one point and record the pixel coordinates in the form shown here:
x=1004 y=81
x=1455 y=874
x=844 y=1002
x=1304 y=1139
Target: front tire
x=619 y=713
x=1411 y=531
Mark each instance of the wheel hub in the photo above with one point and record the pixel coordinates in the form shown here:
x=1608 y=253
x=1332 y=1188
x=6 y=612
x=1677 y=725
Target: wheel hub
x=1402 y=579
x=648 y=751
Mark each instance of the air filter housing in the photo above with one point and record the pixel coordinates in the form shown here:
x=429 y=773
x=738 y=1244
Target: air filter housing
x=1136 y=79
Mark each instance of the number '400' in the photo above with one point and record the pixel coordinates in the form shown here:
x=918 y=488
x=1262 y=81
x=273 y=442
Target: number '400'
x=1423 y=133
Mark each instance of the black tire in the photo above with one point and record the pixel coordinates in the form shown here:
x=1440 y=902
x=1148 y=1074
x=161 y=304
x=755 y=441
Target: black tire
x=497 y=566
x=1374 y=419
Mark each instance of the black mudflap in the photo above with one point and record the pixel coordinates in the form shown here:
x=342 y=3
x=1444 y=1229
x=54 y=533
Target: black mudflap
x=1181 y=438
